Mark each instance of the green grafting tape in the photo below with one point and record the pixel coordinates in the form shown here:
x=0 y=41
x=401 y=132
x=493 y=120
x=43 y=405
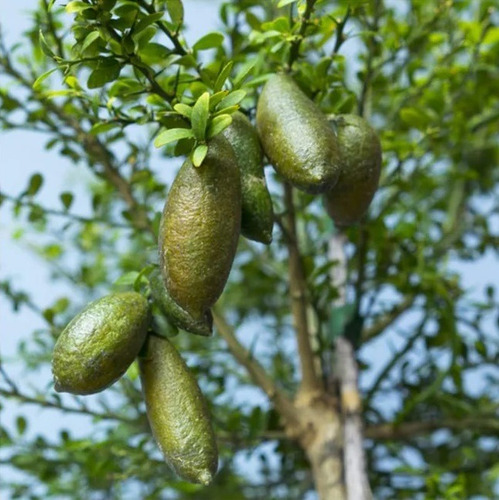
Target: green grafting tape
x=338 y=319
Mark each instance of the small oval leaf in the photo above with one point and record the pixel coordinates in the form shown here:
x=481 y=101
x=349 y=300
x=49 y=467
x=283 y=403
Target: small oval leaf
x=172 y=135
x=199 y=154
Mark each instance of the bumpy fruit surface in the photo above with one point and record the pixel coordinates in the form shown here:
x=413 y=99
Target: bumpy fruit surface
x=177 y=412
x=200 y=228
x=296 y=136
x=100 y=343
x=257 y=216
x=177 y=316
x=360 y=148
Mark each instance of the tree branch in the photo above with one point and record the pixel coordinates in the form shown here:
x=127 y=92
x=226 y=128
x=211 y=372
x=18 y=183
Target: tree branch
x=298 y=288
x=257 y=373
x=92 y=145
x=294 y=50
x=83 y=410
x=53 y=30
x=340 y=37
x=62 y=213
x=408 y=430
x=173 y=37
x=395 y=359
x=387 y=319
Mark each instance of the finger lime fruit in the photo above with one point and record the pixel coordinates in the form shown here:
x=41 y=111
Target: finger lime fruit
x=360 y=148
x=177 y=412
x=100 y=343
x=257 y=216
x=296 y=136
x=200 y=228
x=180 y=318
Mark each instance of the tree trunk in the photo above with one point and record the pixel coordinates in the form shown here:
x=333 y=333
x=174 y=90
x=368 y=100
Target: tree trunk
x=321 y=436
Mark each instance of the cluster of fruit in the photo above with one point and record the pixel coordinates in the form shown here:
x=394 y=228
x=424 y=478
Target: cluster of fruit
x=207 y=208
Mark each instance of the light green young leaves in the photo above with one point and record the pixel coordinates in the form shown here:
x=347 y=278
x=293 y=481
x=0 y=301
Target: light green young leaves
x=199 y=116
x=172 y=135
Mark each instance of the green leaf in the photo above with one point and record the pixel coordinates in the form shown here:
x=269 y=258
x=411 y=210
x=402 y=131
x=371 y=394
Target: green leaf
x=283 y=3
x=226 y=111
x=45 y=46
x=209 y=41
x=76 y=6
x=60 y=93
x=233 y=99
x=35 y=183
x=37 y=83
x=89 y=39
x=108 y=70
x=101 y=128
x=218 y=124
x=127 y=279
x=175 y=9
x=21 y=425
x=200 y=115
x=222 y=76
x=147 y=21
x=72 y=81
x=67 y=199
x=154 y=53
x=243 y=73
x=216 y=98
x=183 y=109
x=199 y=154
x=172 y=135
x=414 y=117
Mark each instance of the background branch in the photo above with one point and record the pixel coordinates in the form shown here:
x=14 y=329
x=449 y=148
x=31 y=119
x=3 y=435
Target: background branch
x=256 y=371
x=408 y=430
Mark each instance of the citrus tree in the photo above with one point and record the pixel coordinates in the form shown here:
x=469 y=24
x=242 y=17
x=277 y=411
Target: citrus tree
x=349 y=361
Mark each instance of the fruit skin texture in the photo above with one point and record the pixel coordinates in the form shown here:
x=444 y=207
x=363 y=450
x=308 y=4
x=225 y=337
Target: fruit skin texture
x=100 y=343
x=180 y=318
x=177 y=412
x=200 y=229
x=360 y=148
x=257 y=216
x=296 y=136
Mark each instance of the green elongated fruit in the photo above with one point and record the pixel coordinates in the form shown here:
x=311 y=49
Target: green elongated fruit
x=257 y=216
x=296 y=136
x=200 y=228
x=177 y=412
x=180 y=318
x=360 y=148
x=100 y=343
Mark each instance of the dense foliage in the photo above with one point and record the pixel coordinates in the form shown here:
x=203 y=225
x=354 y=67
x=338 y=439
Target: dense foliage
x=105 y=79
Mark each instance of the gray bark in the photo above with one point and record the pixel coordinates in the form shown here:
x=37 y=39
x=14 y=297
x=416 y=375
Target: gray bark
x=354 y=461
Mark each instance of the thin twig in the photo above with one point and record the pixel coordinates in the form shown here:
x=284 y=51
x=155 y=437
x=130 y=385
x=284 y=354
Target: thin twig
x=409 y=430
x=83 y=410
x=94 y=148
x=298 y=290
x=294 y=50
x=395 y=359
x=61 y=213
x=254 y=368
x=387 y=319
x=340 y=28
